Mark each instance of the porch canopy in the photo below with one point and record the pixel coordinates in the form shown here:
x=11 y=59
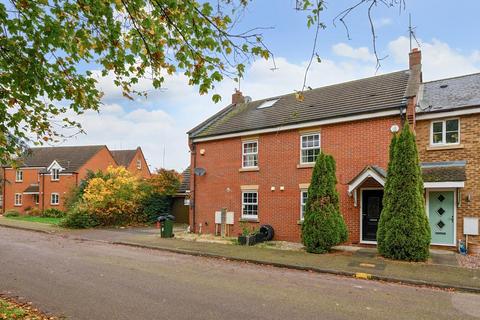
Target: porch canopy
x=32 y=189
x=436 y=175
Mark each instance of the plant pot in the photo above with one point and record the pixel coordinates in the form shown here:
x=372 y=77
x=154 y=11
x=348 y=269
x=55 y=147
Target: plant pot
x=242 y=240
x=251 y=240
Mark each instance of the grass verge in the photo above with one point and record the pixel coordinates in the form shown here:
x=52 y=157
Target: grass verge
x=54 y=221
x=11 y=310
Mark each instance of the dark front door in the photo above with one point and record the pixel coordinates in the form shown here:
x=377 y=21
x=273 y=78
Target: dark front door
x=371 y=209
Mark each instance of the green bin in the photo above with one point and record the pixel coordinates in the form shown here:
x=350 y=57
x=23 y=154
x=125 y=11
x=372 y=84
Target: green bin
x=166 y=230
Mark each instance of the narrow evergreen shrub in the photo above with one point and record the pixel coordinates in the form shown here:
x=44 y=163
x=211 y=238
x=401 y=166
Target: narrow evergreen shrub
x=323 y=226
x=390 y=191
x=404 y=232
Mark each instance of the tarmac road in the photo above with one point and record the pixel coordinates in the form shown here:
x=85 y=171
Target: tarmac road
x=92 y=280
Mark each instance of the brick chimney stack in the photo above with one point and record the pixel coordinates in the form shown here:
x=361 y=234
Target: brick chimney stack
x=415 y=66
x=415 y=57
x=238 y=97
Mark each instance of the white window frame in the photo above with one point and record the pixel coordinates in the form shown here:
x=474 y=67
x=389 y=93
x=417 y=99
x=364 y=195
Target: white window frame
x=249 y=153
x=55 y=174
x=19 y=175
x=444 y=133
x=310 y=148
x=249 y=216
x=139 y=164
x=36 y=198
x=18 y=200
x=302 y=205
x=53 y=203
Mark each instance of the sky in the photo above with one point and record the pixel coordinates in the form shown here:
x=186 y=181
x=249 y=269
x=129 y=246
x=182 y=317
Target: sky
x=448 y=38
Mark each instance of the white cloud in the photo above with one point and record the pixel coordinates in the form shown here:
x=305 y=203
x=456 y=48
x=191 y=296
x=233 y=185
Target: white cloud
x=439 y=60
x=362 y=53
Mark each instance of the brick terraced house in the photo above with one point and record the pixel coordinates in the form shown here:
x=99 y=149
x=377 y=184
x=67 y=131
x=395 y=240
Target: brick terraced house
x=255 y=158
x=46 y=174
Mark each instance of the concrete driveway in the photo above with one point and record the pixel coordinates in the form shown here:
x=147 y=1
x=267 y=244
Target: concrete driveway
x=92 y=280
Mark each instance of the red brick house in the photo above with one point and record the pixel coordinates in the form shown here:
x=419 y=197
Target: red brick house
x=46 y=174
x=133 y=160
x=255 y=158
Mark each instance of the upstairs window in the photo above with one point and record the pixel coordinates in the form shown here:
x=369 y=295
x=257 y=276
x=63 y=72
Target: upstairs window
x=250 y=204
x=445 y=132
x=250 y=154
x=303 y=203
x=55 y=174
x=310 y=147
x=19 y=176
x=139 y=164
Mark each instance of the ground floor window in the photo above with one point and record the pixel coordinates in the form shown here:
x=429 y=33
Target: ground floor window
x=36 y=198
x=55 y=199
x=303 y=202
x=18 y=199
x=250 y=204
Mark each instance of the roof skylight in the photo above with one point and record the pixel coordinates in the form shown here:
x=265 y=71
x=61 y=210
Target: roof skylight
x=267 y=104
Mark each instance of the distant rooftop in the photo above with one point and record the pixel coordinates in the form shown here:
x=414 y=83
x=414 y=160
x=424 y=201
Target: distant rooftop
x=451 y=93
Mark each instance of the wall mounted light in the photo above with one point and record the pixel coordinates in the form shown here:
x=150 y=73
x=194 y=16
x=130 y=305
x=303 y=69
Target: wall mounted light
x=202 y=152
x=394 y=128
x=272 y=188
x=282 y=188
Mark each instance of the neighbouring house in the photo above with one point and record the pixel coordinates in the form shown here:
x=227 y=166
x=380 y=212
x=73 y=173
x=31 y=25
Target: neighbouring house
x=255 y=158
x=180 y=204
x=448 y=139
x=45 y=175
x=133 y=160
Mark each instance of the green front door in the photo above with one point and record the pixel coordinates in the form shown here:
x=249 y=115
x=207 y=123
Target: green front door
x=441 y=215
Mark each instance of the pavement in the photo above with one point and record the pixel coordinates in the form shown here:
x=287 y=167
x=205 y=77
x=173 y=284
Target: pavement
x=441 y=271
x=81 y=279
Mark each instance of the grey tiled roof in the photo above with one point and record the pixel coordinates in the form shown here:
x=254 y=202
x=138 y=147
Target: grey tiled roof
x=123 y=157
x=452 y=93
x=185 y=186
x=345 y=99
x=70 y=158
x=444 y=171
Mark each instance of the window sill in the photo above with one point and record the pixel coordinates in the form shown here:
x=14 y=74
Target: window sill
x=252 y=169
x=300 y=222
x=445 y=147
x=17 y=205
x=305 y=165
x=54 y=180
x=255 y=220
x=54 y=204
x=18 y=181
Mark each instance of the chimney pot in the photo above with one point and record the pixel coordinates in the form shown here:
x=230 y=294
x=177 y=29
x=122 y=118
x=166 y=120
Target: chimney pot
x=238 y=97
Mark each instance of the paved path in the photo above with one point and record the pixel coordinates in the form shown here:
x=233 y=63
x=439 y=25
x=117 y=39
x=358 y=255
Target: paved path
x=91 y=280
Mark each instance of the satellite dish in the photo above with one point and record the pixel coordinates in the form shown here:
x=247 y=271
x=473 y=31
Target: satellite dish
x=199 y=171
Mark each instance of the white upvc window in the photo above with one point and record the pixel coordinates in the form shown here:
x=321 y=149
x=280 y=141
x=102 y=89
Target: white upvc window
x=55 y=174
x=250 y=154
x=139 y=164
x=445 y=132
x=303 y=203
x=18 y=199
x=55 y=199
x=18 y=176
x=310 y=147
x=250 y=204
x=36 y=198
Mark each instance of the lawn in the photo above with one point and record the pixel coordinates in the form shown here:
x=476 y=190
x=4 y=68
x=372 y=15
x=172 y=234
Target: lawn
x=54 y=221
